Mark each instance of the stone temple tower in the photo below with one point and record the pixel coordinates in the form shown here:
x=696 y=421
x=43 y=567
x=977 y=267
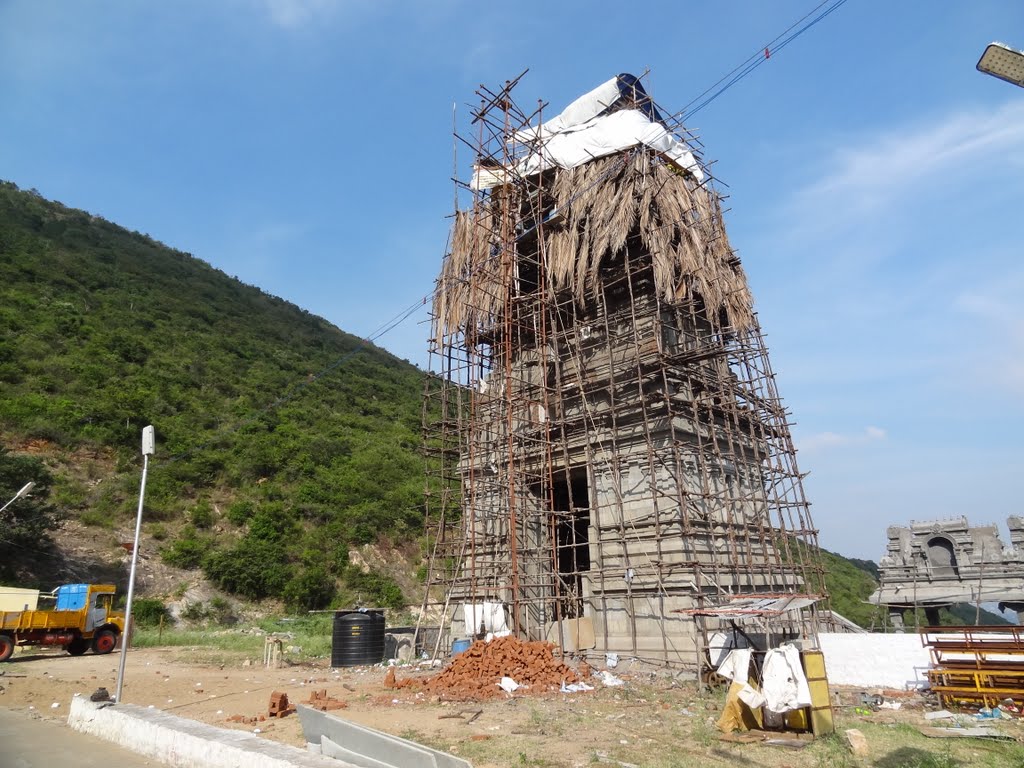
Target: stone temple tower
x=613 y=465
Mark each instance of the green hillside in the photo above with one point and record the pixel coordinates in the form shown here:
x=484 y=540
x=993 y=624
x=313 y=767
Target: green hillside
x=265 y=474
x=849 y=585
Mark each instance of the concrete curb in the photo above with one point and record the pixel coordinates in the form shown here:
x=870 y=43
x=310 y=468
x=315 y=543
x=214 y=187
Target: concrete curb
x=183 y=743
x=367 y=747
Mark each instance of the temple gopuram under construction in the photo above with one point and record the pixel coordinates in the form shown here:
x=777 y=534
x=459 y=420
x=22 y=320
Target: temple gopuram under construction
x=616 y=470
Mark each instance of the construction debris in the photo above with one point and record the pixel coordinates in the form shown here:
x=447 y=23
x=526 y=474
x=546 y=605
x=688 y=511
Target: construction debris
x=461 y=715
x=977 y=732
x=770 y=738
x=322 y=701
x=246 y=720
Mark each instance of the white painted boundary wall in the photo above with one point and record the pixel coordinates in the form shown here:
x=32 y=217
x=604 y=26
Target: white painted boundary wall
x=874 y=660
x=183 y=743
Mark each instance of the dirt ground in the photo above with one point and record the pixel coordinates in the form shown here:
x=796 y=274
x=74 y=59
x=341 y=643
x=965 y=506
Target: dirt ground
x=652 y=720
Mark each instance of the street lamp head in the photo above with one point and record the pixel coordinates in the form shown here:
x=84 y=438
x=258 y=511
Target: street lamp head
x=1004 y=62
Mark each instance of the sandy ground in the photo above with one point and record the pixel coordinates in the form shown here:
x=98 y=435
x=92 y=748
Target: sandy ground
x=626 y=723
x=653 y=720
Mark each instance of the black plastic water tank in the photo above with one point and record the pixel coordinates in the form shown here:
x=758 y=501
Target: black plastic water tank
x=358 y=638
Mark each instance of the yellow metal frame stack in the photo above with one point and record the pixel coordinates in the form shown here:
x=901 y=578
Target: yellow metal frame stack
x=982 y=665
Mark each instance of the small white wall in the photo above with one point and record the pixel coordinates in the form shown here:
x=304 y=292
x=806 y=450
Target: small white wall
x=874 y=660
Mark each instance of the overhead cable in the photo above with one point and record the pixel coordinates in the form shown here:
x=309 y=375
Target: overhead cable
x=763 y=54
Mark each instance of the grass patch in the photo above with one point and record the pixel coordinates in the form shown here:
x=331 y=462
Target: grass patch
x=831 y=752
x=96 y=519
x=903 y=746
x=311 y=634
x=232 y=641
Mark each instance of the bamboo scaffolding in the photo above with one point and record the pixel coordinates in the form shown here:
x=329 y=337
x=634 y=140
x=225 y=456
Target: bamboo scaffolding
x=603 y=414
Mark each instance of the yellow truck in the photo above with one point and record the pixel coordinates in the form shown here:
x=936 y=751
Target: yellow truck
x=83 y=617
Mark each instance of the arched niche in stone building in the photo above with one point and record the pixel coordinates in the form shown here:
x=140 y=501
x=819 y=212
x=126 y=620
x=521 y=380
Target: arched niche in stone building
x=942 y=557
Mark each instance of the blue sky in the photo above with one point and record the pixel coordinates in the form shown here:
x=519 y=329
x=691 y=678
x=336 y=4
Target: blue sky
x=875 y=183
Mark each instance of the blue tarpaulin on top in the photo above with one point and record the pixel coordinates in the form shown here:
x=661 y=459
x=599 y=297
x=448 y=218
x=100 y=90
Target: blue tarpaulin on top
x=71 y=597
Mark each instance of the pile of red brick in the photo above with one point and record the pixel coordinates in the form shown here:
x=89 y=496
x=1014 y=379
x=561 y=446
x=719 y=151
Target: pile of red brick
x=476 y=672
x=279 y=705
x=324 y=702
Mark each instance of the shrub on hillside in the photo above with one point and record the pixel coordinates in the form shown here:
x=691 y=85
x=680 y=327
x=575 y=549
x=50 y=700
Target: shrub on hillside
x=375 y=589
x=217 y=611
x=148 y=611
x=187 y=551
x=253 y=568
x=240 y=511
x=311 y=590
x=201 y=515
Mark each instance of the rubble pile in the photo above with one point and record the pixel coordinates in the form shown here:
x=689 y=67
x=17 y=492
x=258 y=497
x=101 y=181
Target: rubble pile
x=477 y=672
x=245 y=720
x=324 y=702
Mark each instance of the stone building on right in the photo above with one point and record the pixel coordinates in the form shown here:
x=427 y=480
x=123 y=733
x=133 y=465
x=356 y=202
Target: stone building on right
x=935 y=564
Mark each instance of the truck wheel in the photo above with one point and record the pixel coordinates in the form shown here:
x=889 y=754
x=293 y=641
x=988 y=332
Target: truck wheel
x=6 y=647
x=77 y=647
x=104 y=641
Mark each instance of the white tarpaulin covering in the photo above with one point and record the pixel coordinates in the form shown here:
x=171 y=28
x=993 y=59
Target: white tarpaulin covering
x=585 y=108
x=782 y=680
x=720 y=644
x=581 y=133
x=736 y=666
x=490 y=615
x=783 y=683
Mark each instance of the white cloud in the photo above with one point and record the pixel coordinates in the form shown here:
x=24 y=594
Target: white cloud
x=295 y=13
x=875 y=433
x=869 y=176
x=822 y=441
x=301 y=14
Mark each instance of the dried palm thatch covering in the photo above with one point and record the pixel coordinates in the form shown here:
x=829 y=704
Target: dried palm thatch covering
x=605 y=208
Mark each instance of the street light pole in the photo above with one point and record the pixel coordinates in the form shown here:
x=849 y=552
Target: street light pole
x=20 y=494
x=148 y=446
